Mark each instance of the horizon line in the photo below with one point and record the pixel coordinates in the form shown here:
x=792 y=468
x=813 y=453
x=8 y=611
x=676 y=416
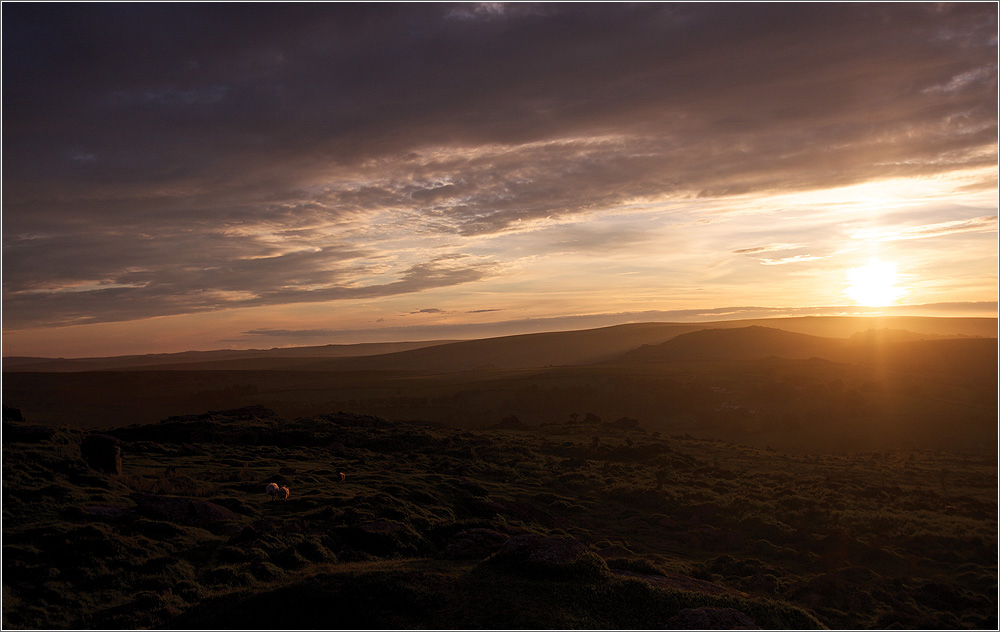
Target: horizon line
x=579 y=322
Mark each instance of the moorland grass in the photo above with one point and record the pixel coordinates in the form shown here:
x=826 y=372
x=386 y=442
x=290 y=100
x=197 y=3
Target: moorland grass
x=410 y=538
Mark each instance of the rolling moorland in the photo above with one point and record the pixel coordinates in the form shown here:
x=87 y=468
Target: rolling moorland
x=815 y=384
x=801 y=473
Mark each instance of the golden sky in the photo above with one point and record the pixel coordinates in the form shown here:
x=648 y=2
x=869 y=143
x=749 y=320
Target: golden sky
x=190 y=176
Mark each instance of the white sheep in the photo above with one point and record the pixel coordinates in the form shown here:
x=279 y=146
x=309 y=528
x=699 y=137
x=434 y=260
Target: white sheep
x=272 y=489
x=282 y=493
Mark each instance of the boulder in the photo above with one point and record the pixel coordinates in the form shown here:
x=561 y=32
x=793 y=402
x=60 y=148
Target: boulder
x=12 y=414
x=710 y=619
x=102 y=453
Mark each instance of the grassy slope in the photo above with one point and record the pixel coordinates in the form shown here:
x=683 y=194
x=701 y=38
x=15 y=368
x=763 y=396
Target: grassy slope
x=865 y=540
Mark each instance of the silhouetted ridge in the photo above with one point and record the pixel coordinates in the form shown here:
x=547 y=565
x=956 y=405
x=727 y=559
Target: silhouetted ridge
x=735 y=344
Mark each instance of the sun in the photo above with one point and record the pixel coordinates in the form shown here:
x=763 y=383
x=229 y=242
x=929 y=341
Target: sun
x=874 y=285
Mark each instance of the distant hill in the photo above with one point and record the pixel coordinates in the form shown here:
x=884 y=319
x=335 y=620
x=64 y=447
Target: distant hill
x=742 y=343
x=846 y=326
x=506 y=352
x=950 y=360
x=165 y=360
x=798 y=337
x=560 y=348
x=920 y=392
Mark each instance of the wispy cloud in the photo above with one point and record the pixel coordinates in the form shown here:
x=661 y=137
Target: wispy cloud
x=769 y=248
x=977 y=224
x=290 y=333
x=794 y=259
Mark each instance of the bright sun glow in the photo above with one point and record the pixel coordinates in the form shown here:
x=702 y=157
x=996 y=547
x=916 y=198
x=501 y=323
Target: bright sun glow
x=873 y=285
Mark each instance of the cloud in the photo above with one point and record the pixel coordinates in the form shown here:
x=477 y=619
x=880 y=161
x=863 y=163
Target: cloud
x=290 y=333
x=984 y=224
x=302 y=156
x=477 y=10
x=784 y=260
x=198 y=290
x=483 y=311
x=429 y=310
x=655 y=77
x=769 y=248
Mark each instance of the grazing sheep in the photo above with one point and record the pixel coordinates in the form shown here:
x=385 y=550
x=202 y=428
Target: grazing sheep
x=282 y=493
x=272 y=489
x=342 y=476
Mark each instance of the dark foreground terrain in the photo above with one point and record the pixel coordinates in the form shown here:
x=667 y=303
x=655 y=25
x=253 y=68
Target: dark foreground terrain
x=576 y=524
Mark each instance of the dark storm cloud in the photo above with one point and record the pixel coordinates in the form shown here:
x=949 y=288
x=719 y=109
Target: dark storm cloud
x=138 y=138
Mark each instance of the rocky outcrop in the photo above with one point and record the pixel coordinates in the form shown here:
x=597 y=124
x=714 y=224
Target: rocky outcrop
x=102 y=453
x=12 y=414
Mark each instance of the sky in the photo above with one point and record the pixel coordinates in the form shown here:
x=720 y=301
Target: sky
x=185 y=176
